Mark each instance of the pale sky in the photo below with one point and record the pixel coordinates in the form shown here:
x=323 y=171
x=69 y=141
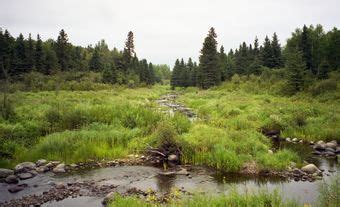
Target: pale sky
x=165 y=30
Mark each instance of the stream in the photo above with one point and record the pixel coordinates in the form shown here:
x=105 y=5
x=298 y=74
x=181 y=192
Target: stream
x=201 y=179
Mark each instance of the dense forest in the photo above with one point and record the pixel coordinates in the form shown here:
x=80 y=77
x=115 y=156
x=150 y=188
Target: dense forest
x=310 y=53
x=20 y=56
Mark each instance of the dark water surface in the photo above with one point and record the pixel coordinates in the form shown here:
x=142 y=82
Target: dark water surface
x=202 y=180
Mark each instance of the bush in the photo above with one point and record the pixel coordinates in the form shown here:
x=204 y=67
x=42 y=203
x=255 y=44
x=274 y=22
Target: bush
x=323 y=87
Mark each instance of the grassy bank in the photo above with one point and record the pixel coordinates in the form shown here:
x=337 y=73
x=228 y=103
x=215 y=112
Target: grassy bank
x=74 y=126
x=232 y=199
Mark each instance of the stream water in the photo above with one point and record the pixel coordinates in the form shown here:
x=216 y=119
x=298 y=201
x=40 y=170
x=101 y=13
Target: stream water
x=201 y=180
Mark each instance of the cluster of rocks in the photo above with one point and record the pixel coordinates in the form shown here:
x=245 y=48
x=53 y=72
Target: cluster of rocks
x=27 y=170
x=329 y=149
x=61 y=191
x=169 y=101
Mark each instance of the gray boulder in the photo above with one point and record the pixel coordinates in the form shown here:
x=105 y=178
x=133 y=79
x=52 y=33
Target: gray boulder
x=310 y=169
x=41 y=162
x=331 y=145
x=172 y=158
x=328 y=149
x=17 y=188
x=42 y=169
x=5 y=172
x=24 y=167
x=320 y=146
x=108 y=198
x=11 y=179
x=59 y=168
x=320 y=142
x=24 y=176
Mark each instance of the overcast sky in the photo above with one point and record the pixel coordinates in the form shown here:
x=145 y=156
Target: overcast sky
x=165 y=29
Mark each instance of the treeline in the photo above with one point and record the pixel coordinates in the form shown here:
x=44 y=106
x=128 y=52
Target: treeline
x=310 y=53
x=20 y=56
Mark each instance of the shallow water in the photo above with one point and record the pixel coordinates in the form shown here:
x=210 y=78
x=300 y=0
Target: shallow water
x=202 y=180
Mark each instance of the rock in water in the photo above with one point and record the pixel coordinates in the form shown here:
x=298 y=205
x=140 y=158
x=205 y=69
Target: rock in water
x=172 y=158
x=24 y=167
x=107 y=198
x=320 y=146
x=24 y=176
x=59 y=168
x=331 y=145
x=5 y=172
x=41 y=162
x=310 y=169
x=42 y=169
x=11 y=179
x=17 y=188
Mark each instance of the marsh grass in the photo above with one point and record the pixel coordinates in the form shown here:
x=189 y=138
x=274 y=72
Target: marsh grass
x=234 y=199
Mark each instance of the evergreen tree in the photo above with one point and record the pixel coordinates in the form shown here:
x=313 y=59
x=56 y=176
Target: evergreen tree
x=175 y=75
x=51 y=60
x=266 y=53
x=30 y=53
x=20 y=59
x=256 y=50
x=296 y=67
x=62 y=50
x=39 y=57
x=276 y=52
x=151 y=75
x=306 y=47
x=333 y=49
x=96 y=63
x=191 y=73
x=210 y=74
x=129 y=45
x=110 y=75
x=222 y=60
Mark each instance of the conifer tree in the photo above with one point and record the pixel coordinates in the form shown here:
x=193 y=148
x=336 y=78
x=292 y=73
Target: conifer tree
x=20 y=58
x=30 y=53
x=256 y=49
x=39 y=56
x=266 y=53
x=306 y=47
x=222 y=61
x=296 y=67
x=96 y=61
x=276 y=52
x=62 y=50
x=175 y=75
x=210 y=73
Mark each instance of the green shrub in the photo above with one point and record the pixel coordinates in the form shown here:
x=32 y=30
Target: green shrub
x=323 y=87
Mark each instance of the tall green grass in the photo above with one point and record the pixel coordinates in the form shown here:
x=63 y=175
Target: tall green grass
x=233 y=199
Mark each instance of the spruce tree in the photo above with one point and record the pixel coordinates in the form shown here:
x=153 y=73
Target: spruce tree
x=20 y=57
x=191 y=73
x=276 y=52
x=62 y=50
x=306 y=47
x=266 y=53
x=39 y=57
x=210 y=73
x=323 y=70
x=222 y=62
x=296 y=67
x=30 y=53
x=175 y=75
x=96 y=63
